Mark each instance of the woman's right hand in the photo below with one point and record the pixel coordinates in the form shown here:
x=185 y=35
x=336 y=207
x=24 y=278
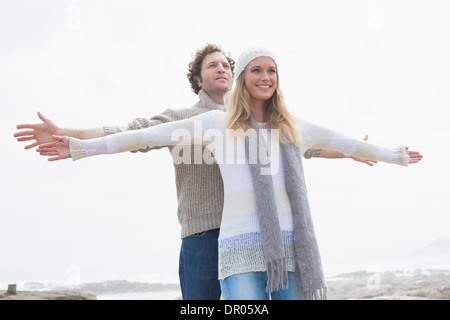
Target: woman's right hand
x=58 y=150
x=414 y=156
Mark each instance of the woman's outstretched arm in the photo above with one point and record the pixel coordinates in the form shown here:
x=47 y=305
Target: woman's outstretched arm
x=188 y=131
x=315 y=136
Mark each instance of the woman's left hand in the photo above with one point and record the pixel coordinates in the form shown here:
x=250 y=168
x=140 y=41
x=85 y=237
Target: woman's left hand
x=58 y=150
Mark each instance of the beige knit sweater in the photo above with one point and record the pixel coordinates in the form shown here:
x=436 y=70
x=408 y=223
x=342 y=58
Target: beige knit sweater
x=199 y=187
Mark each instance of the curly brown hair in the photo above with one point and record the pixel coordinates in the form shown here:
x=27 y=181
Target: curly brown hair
x=195 y=66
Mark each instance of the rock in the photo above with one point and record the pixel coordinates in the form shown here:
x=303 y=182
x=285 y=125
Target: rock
x=48 y=295
x=12 y=289
x=434 y=285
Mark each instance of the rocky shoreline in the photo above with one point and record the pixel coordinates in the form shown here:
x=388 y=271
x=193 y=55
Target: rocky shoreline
x=420 y=285
x=389 y=285
x=47 y=295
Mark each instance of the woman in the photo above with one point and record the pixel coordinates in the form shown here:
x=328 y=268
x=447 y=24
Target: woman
x=267 y=245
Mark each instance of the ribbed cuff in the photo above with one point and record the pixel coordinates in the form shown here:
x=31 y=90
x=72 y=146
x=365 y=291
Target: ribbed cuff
x=402 y=156
x=200 y=224
x=76 y=149
x=111 y=130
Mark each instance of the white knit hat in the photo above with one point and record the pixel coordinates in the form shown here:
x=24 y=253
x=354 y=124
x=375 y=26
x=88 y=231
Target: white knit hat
x=248 y=56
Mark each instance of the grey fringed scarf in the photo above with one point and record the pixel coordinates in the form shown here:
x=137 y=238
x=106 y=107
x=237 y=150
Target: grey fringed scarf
x=309 y=277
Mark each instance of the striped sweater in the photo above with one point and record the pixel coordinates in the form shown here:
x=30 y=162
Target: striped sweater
x=240 y=247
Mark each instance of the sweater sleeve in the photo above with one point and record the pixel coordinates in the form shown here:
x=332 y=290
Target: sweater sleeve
x=315 y=136
x=188 y=131
x=142 y=123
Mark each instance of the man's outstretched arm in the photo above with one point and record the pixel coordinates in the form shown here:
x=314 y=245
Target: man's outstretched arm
x=40 y=133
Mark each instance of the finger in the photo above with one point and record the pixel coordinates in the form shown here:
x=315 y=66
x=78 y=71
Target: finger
x=44 y=148
x=59 y=138
x=366 y=137
x=416 y=159
x=56 y=158
x=26 y=138
x=41 y=116
x=23 y=133
x=49 y=153
x=26 y=126
x=44 y=119
x=414 y=152
x=48 y=145
x=31 y=146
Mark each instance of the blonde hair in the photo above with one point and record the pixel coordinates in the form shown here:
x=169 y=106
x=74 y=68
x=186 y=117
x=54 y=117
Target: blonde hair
x=276 y=114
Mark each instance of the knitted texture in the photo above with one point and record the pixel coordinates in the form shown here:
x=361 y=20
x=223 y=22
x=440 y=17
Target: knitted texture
x=248 y=56
x=240 y=239
x=199 y=187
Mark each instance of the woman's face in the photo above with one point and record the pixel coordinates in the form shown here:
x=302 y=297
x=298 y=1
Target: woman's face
x=261 y=79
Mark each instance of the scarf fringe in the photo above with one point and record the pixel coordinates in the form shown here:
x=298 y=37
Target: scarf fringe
x=318 y=294
x=277 y=275
x=309 y=275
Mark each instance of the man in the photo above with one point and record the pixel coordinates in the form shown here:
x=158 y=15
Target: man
x=199 y=187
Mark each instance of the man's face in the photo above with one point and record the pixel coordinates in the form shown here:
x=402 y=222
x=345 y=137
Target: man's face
x=216 y=75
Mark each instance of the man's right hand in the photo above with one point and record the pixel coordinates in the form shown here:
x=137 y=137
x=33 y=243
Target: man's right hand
x=38 y=133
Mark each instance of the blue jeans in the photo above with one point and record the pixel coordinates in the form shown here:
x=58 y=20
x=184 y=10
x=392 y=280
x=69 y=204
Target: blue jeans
x=252 y=286
x=198 y=268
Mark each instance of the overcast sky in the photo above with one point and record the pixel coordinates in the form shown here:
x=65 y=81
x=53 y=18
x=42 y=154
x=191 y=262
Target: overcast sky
x=356 y=66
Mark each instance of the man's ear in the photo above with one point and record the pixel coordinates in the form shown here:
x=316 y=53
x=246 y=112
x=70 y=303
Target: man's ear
x=199 y=81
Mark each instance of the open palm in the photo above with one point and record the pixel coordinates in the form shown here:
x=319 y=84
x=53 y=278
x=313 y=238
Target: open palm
x=57 y=150
x=38 y=133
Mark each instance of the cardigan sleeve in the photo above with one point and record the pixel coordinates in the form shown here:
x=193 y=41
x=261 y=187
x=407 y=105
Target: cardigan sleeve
x=314 y=136
x=187 y=131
